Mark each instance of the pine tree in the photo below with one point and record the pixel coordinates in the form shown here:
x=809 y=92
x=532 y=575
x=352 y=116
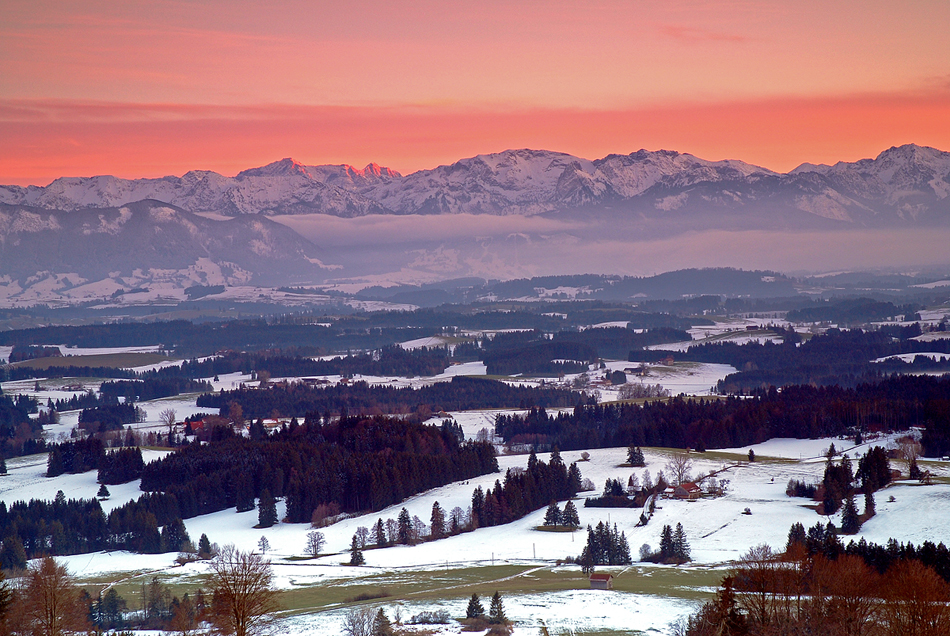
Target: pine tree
x=266 y=510
x=356 y=555
x=496 y=613
x=667 y=547
x=850 y=522
x=54 y=463
x=381 y=625
x=405 y=527
x=243 y=493
x=869 y=508
x=475 y=608
x=379 y=534
x=623 y=551
x=569 y=517
x=437 y=522
x=173 y=536
x=680 y=544
x=796 y=535
x=574 y=479
x=553 y=515
x=103 y=492
x=635 y=456
x=204 y=547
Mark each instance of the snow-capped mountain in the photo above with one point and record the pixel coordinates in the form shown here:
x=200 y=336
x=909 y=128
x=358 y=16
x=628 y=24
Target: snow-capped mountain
x=99 y=251
x=283 y=187
x=906 y=185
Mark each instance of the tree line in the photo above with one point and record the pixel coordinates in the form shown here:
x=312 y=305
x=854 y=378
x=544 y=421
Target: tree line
x=461 y=393
x=841 y=357
x=892 y=403
x=817 y=586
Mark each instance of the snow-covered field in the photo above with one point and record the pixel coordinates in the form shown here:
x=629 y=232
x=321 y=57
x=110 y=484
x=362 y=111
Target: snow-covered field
x=717 y=529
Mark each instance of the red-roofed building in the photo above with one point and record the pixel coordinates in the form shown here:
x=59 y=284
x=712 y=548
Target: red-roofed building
x=599 y=581
x=687 y=490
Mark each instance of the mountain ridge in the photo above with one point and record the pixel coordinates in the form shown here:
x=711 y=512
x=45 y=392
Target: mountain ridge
x=903 y=185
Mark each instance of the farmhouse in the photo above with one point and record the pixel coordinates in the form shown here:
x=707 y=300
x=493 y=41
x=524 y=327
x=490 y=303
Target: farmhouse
x=687 y=490
x=599 y=581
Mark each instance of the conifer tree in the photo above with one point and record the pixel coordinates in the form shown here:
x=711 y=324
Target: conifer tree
x=552 y=517
x=356 y=555
x=103 y=492
x=379 y=534
x=475 y=608
x=173 y=536
x=405 y=527
x=496 y=613
x=869 y=508
x=437 y=522
x=667 y=547
x=243 y=493
x=635 y=456
x=574 y=479
x=796 y=535
x=569 y=517
x=266 y=510
x=204 y=546
x=680 y=544
x=381 y=624
x=850 y=522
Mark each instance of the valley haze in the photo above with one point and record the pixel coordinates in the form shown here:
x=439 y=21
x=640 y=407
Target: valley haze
x=517 y=213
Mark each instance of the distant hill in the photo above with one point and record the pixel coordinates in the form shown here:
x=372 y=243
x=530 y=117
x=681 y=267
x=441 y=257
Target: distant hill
x=98 y=252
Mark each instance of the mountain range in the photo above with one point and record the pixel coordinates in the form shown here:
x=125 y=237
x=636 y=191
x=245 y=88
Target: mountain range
x=513 y=214
x=905 y=185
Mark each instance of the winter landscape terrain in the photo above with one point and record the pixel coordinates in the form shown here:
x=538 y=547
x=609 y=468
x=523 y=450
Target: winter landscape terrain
x=527 y=563
x=518 y=213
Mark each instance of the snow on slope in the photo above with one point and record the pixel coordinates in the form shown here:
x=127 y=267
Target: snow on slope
x=717 y=530
x=903 y=184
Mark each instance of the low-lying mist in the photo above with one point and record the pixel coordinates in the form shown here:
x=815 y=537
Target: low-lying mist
x=417 y=248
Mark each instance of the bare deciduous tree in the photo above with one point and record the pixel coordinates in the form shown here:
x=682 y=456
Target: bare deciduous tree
x=315 y=542
x=359 y=621
x=243 y=597
x=51 y=603
x=679 y=468
x=168 y=418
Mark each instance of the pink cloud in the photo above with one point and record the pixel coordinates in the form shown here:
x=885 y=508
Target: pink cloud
x=42 y=140
x=692 y=34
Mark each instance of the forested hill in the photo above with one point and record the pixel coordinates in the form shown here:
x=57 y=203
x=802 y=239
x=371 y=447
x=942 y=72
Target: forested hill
x=837 y=357
x=462 y=393
x=804 y=412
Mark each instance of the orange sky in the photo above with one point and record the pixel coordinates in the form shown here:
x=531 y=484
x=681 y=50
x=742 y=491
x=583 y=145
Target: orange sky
x=156 y=88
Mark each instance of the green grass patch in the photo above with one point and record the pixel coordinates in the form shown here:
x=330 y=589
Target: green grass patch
x=117 y=360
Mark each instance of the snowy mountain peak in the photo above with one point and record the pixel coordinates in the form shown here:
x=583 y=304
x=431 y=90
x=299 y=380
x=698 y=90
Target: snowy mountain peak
x=378 y=171
x=907 y=183
x=286 y=167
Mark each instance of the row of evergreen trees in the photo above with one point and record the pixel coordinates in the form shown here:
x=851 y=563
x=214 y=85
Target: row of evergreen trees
x=117 y=466
x=891 y=403
x=824 y=539
x=462 y=393
x=525 y=491
x=605 y=546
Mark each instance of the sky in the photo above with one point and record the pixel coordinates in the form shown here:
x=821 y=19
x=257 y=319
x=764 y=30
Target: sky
x=162 y=87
